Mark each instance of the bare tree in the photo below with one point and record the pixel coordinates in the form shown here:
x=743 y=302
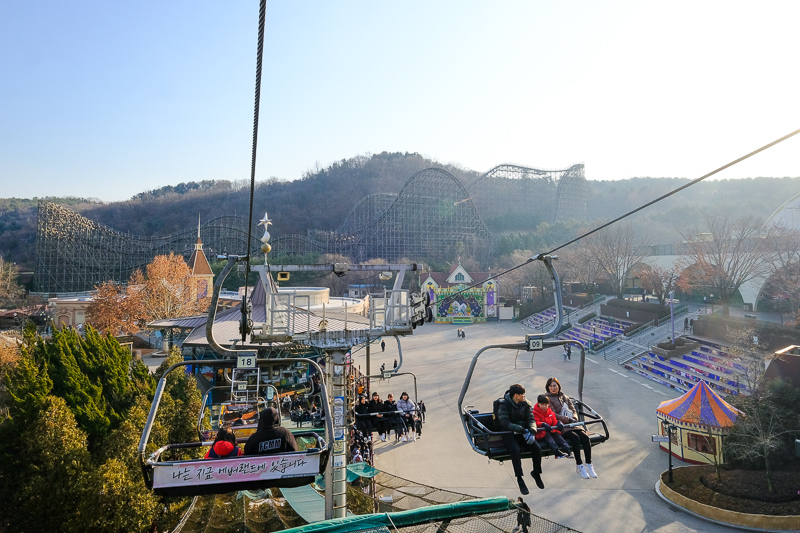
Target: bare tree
x=724 y=253
x=784 y=283
x=11 y=292
x=658 y=281
x=706 y=444
x=758 y=434
x=578 y=265
x=616 y=249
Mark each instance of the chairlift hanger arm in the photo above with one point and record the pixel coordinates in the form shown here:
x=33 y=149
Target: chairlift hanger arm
x=212 y=309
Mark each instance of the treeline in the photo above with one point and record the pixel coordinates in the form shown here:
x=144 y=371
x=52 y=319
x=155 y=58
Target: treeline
x=72 y=410
x=324 y=197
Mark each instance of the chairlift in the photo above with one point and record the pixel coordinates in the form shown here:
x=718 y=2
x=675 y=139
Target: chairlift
x=180 y=477
x=484 y=434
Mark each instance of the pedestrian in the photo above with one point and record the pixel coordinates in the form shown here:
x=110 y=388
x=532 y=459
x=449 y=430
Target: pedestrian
x=383 y=346
x=463 y=334
x=422 y=410
x=523 y=516
x=565 y=353
x=685 y=323
x=569 y=352
x=691 y=325
x=458 y=333
x=395 y=364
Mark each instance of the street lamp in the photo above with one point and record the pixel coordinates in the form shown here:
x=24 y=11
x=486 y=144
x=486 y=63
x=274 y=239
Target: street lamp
x=672 y=314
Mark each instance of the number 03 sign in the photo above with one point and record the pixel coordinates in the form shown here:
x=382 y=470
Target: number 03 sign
x=245 y=361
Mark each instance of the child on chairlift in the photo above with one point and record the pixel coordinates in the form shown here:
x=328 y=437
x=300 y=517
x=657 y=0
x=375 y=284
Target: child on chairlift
x=549 y=434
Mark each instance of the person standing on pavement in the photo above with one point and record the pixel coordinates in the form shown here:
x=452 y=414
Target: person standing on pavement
x=383 y=345
x=515 y=414
x=523 y=516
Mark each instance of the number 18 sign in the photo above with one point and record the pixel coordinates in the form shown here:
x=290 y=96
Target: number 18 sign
x=246 y=361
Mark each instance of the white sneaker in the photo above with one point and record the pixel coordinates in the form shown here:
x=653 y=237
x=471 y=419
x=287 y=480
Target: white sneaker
x=403 y=439
x=590 y=470
x=414 y=438
x=581 y=470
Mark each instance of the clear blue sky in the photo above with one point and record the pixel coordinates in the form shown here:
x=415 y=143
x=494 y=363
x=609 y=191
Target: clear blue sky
x=106 y=99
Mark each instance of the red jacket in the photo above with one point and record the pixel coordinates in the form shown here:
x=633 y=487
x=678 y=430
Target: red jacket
x=544 y=417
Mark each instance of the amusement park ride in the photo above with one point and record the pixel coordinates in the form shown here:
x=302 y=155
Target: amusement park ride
x=253 y=376
x=251 y=372
x=254 y=379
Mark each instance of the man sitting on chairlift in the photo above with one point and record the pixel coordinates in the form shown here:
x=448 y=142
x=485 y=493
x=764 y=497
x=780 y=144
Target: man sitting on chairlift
x=514 y=413
x=270 y=437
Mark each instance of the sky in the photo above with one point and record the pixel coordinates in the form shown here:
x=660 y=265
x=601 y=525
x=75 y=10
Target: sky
x=107 y=99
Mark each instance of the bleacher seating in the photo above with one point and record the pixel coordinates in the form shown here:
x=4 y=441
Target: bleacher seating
x=599 y=329
x=709 y=363
x=537 y=320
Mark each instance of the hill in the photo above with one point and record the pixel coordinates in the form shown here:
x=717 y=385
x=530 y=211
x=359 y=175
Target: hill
x=322 y=199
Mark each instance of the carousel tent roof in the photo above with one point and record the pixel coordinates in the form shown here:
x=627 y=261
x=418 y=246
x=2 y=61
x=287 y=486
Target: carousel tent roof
x=701 y=406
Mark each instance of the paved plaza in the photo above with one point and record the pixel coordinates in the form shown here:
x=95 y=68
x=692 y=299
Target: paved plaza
x=622 y=499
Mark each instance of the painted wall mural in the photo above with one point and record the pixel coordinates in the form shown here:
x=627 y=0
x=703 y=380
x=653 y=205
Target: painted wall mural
x=461 y=306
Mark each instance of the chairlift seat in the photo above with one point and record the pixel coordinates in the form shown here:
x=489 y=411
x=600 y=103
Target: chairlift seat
x=487 y=435
x=248 y=472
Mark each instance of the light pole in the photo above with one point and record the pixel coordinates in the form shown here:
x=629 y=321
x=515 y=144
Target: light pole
x=672 y=314
x=711 y=301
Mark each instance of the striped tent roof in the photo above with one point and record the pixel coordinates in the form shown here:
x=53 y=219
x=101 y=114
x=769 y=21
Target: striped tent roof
x=700 y=406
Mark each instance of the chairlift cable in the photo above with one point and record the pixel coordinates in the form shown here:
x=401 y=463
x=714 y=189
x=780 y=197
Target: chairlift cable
x=262 y=11
x=629 y=213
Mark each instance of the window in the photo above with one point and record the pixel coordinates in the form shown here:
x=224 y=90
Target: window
x=702 y=443
x=459 y=277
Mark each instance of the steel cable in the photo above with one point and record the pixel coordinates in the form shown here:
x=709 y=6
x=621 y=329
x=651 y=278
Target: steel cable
x=629 y=213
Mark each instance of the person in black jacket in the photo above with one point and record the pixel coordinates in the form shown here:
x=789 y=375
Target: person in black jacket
x=270 y=437
x=393 y=418
x=363 y=422
x=378 y=420
x=514 y=413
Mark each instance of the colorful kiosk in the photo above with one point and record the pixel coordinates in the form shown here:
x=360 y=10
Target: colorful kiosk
x=696 y=424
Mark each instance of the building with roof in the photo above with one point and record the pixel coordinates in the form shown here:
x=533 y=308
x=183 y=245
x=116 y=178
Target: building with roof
x=457 y=304
x=201 y=271
x=700 y=419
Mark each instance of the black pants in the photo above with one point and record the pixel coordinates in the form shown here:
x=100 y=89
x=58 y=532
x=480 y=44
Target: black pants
x=364 y=425
x=515 y=444
x=579 y=439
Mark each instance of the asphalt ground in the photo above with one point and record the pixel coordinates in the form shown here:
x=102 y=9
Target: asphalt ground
x=622 y=498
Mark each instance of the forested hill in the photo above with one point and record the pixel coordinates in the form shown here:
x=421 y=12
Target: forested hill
x=323 y=198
